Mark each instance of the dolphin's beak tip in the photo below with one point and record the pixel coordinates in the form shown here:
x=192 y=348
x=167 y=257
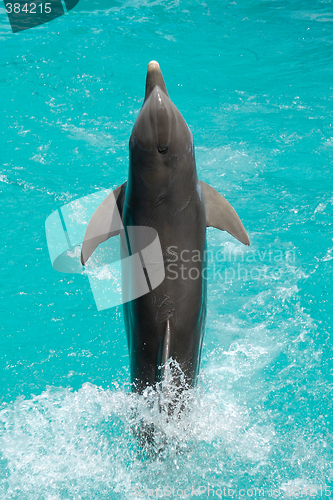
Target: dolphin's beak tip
x=153 y=63
x=153 y=66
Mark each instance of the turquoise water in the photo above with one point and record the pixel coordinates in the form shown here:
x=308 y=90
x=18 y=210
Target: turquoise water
x=254 y=82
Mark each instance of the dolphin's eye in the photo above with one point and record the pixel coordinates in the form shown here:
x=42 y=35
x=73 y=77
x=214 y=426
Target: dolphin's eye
x=162 y=149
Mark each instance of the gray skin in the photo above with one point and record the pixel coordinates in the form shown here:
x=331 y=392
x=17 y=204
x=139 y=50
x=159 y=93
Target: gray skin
x=163 y=192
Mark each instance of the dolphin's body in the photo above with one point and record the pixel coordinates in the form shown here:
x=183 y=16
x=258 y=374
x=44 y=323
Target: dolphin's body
x=163 y=192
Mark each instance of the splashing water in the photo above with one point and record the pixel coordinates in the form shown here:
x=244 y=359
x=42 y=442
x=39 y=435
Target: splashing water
x=254 y=82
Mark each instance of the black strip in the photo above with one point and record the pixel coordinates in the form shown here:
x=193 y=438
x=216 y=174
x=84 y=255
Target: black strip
x=70 y=246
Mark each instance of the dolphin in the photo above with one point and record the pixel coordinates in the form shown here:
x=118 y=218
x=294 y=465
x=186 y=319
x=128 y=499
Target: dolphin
x=163 y=192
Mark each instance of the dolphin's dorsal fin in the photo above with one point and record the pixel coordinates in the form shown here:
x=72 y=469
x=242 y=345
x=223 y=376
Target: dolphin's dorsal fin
x=166 y=346
x=220 y=214
x=165 y=352
x=105 y=222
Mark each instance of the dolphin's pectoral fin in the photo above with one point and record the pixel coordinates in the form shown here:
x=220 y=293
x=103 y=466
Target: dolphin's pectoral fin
x=220 y=214
x=105 y=222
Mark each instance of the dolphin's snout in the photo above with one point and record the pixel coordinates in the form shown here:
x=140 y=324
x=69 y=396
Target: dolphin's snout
x=154 y=78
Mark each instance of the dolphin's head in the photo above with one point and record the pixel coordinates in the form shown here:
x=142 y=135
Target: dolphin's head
x=160 y=135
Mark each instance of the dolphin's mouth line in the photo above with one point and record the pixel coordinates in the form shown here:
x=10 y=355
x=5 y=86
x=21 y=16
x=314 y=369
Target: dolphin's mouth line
x=184 y=205
x=166 y=189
